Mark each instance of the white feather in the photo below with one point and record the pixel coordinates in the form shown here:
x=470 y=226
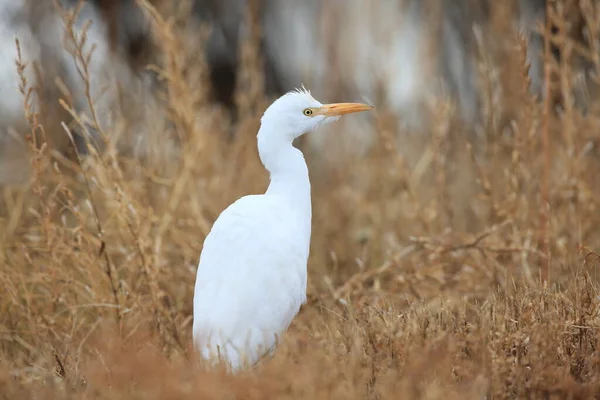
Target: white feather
x=249 y=292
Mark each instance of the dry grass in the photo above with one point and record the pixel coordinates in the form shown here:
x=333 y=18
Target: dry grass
x=424 y=276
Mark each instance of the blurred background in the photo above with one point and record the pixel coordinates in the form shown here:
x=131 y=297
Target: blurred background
x=403 y=55
x=473 y=104
x=127 y=126
x=475 y=100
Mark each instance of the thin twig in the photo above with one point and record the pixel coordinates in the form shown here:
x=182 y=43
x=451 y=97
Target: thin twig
x=544 y=209
x=100 y=234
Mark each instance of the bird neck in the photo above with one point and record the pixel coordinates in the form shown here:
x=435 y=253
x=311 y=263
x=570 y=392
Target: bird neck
x=287 y=169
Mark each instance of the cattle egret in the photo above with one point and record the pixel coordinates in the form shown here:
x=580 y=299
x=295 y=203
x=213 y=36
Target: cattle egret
x=251 y=278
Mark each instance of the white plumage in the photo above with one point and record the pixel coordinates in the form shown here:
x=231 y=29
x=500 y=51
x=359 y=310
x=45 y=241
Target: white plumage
x=251 y=279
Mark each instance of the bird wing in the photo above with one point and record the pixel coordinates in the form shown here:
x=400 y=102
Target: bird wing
x=251 y=279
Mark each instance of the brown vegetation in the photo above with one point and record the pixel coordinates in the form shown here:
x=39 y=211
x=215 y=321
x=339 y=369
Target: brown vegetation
x=425 y=269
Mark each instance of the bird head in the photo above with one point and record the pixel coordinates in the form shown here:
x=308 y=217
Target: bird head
x=297 y=113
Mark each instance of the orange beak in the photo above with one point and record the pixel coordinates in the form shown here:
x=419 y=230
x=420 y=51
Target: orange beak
x=337 y=109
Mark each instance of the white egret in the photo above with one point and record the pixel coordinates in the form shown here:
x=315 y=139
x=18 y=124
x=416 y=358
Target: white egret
x=251 y=278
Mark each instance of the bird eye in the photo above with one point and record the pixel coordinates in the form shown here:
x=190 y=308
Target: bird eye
x=308 y=112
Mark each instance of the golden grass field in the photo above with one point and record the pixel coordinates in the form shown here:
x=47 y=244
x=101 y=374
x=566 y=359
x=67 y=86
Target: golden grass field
x=461 y=267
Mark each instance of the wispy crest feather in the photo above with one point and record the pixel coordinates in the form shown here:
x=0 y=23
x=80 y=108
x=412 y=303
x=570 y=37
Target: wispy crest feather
x=300 y=90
